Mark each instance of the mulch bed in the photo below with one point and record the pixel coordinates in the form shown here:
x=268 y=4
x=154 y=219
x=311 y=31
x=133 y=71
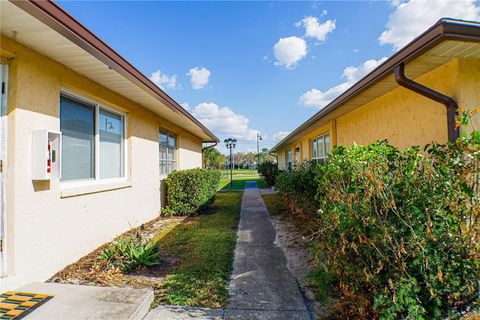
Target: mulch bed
x=91 y=270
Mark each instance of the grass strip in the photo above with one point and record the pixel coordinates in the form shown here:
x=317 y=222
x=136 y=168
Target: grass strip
x=205 y=247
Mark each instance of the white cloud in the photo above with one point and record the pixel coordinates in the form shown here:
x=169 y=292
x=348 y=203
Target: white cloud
x=412 y=18
x=224 y=121
x=288 y=51
x=315 y=29
x=199 y=77
x=164 y=81
x=280 y=135
x=185 y=106
x=316 y=98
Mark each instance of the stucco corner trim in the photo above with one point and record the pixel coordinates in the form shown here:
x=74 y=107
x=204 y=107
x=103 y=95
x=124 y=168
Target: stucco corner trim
x=86 y=190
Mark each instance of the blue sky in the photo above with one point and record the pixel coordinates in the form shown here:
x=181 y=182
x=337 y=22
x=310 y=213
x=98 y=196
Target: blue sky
x=248 y=67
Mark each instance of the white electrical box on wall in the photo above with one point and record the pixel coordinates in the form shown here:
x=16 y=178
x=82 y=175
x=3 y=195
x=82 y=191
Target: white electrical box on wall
x=46 y=151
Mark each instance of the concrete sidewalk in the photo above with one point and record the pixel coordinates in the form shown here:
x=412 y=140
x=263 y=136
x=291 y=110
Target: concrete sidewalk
x=74 y=302
x=262 y=287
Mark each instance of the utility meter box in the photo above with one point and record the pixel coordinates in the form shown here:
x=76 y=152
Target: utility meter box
x=46 y=151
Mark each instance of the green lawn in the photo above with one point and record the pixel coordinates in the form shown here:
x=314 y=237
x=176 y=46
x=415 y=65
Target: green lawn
x=239 y=171
x=204 y=246
x=239 y=182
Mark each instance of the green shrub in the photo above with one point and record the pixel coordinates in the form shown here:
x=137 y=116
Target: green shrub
x=398 y=230
x=132 y=252
x=298 y=188
x=191 y=191
x=269 y=172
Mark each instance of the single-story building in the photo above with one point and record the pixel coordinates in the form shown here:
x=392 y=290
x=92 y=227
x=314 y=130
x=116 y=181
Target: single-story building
x=410 y=99
x=86 y=140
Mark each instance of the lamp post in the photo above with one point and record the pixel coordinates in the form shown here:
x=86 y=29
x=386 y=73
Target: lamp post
x=230 y=143
x=259 y=137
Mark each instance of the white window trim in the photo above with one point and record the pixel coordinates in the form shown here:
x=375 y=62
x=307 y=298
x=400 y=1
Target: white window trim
x=96 y=180
x=322 y=136
x=176 y=160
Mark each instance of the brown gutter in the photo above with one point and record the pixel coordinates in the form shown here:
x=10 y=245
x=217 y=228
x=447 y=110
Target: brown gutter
x=59 y=20
x=274 y=155
x=450 y=104
x=205 y=148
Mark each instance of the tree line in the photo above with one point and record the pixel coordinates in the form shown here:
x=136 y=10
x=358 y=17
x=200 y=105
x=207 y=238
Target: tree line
x=214 y=159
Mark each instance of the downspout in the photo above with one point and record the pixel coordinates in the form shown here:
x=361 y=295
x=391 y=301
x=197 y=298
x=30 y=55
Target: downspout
x=205 y=148
x=448 y=102
x=274 y=155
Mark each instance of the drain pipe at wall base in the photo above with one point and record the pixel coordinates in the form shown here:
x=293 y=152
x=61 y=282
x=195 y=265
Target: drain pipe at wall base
x=205 y=148
x=448 y=102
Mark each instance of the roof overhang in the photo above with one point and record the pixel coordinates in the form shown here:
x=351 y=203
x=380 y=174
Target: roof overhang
x=48 y=29
x=446 y=40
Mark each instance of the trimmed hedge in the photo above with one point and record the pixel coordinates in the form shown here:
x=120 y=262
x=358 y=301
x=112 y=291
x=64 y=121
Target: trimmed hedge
x=269 y=172
x=189 y=192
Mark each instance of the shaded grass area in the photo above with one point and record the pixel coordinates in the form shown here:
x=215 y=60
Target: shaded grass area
x=275 y=204
x=196 y=258
x=239 y=182
x=205 y=247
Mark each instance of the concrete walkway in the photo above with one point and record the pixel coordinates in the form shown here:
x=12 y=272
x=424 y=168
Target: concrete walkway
x=262 y=287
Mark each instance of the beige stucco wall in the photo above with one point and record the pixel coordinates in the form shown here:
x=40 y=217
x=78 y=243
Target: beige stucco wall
x=403 y=117
x=189 y=152
x=46 y=231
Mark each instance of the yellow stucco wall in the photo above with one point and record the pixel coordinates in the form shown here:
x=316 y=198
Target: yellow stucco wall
x=45 y=232
x=403 y=117
x=304 y=144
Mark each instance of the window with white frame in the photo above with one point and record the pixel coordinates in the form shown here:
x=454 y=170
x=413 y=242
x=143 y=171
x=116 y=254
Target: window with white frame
x=167 y=142
x=93 y=141
x=320 y=147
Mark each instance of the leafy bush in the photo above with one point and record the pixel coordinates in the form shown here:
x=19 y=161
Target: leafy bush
x=191 y=191
x=132 y=252
x=298 y=189
x=398 y=230
x=269 y=172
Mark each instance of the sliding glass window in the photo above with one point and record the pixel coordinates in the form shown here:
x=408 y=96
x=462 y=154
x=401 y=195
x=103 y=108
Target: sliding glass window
x=93 y=141
x=320 y=148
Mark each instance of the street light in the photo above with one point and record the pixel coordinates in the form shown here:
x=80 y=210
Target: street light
x=230 y=143
x=259 y=137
